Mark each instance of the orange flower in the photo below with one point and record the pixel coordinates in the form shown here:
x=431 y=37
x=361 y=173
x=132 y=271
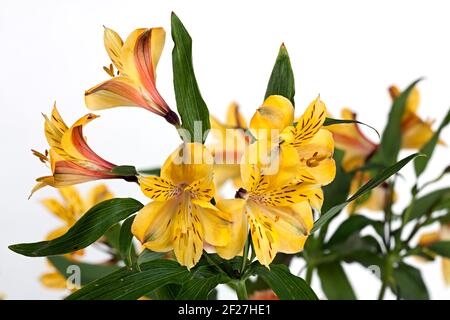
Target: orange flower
x=135 y=83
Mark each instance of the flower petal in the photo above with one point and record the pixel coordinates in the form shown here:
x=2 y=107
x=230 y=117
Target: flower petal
x=239 y=227
x=113 y=45
x=157 y=188
x=275 y=114
x=309 y=123
x=188 y=163
x=118 y=92
x=153 y=225
x=216 y=225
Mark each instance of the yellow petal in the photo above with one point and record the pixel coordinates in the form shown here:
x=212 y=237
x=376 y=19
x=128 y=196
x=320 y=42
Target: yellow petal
x=57 y=208
x=55 y=127
x=57 y=233
x=53 y=280
x=235 y=119
x=278 y=165
x=413 y=101
x=292 y=232
x=202 y=189
x=216 y=225
x=239 y=227
x=309 y=123
x=74 y=202
x=275 y=114
x=157 y=188
x=290 y=194
x=153 y=225
x=188 y=163
x=316 y=162
x=188 y=234
x=98 y=194
x=415 y=132
x=429 y=238
x=118 y=92
x=113 y=45
x=446 y=270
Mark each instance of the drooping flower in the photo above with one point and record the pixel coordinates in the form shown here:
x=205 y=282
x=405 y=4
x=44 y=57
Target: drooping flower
x=71 y=160
x=442 y=235
x=277 y=213
x=415 y=131
x=72 y=208
x=181 y=217
x=230 y=141
x=313 y=144
x=135 y=83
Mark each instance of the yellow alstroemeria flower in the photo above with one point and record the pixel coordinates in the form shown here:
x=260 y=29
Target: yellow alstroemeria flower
x=135 y=85
x=181 y=217
x=71 y=160
x=273 y=124
x=415 y=131
x=277 y=213
x=230 y=141
x=442 y=235
x=72 y=208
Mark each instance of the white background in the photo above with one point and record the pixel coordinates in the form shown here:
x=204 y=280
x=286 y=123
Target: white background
x=348 y=51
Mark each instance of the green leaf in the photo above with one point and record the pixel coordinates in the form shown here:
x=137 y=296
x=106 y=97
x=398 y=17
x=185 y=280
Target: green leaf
x=126 y=241
x=334 y=282
x=408 y=283
x=88 y=272
x=331 y=121
x=169 y=292
x=375 y=181
x=126 y=284
x=391 y=139
x=199 y=288
x=191 y=106
x=150 y=172
x=354 y=224
x=286 y=285
x=425 y=205
x=441 y=248
x=91 y=226
x=148 y=255
x=281 y=80
x=421 y=163
x=127 y=171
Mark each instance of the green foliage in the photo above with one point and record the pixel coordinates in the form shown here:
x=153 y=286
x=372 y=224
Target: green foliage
x=191 y=106
x=281 y=80
x=334 y=281
x=91 y=226
x=286 y=285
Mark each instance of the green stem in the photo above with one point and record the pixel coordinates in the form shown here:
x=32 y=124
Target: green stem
x=241 y=290
x=245 y=255
x=309 y=274
x=386 y=276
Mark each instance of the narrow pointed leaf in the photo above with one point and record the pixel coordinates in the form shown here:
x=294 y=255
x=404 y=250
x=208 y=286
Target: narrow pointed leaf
x=421 y=163
x=441 y=248
x=191 y=106
x=126 y=284
x=408 y=283
x=91 y=226
x=392 y=137
x=334 y=282
x=331 y=121
x=286 y=285
x=281 y=80
x=88 y=272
